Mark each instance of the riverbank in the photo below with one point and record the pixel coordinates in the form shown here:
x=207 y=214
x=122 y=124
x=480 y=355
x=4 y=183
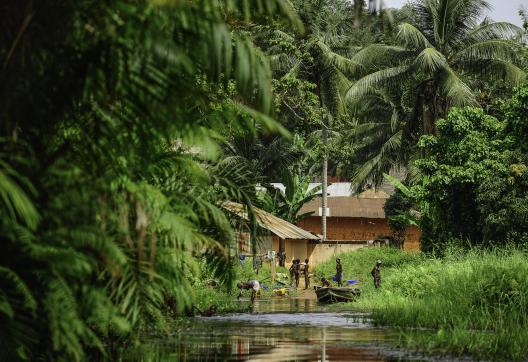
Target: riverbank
x=208 y=292
x=465 y=303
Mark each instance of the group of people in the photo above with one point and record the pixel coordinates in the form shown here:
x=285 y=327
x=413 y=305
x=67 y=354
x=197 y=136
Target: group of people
x=375 y=272
x=295 y=272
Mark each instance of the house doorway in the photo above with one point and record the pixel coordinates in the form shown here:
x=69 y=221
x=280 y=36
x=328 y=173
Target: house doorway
x=282 y=252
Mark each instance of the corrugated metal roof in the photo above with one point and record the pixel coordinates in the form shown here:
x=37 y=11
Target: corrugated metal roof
x=349 y=206
x=341 y=189
x=277 y=226
x=334 y=189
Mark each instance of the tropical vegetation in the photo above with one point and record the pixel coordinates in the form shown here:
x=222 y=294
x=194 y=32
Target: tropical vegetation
x=126 y=125
x=113 y=121
x=441 y=58
x=466 y=303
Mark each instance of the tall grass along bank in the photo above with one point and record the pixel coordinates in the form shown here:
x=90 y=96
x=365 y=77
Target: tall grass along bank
x=465 y=303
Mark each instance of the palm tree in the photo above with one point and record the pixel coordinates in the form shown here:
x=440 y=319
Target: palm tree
x=378 y=137
x=327 y=23
x=287 y=204
x=442 y=51
x=102 y=213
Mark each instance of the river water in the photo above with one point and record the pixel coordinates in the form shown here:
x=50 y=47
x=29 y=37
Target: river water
x=280 y=329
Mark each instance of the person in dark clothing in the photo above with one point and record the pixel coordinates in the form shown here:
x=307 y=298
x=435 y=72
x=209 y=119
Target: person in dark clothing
x=282 y=258
x=306 y=274
x=376 y=274
x=297 y=271
x=339 y=272
x=325 y=283
x=208 y=312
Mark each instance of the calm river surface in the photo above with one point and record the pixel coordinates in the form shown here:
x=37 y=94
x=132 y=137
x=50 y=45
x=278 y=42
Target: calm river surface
x=277 y=330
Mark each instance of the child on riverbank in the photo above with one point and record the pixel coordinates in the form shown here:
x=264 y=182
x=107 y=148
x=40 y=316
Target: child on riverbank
x=306 y=274
x=376 y=274
x=339 y=272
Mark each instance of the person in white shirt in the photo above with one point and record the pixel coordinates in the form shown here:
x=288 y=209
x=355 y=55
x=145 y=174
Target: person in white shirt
x=254 y=285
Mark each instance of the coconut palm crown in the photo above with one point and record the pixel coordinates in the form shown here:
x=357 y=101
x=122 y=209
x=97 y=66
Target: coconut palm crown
x=443 y=50
x=441 y=54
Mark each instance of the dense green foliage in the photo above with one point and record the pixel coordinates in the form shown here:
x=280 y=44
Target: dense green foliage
x=475 y=176
x=397 y=210
x=113 y=116
x=442 y=57
x=125 y=125
x=466 y=303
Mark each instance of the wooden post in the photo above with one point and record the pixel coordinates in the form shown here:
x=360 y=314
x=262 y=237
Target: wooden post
x=273 y=270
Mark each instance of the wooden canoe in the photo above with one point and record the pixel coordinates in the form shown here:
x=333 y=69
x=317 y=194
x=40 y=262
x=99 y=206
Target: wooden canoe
x=333 y=295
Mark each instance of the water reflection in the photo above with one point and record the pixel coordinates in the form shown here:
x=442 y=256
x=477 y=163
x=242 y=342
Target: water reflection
x=278 y=330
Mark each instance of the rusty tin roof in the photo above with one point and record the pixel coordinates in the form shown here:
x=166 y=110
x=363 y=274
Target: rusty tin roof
x=366 y=205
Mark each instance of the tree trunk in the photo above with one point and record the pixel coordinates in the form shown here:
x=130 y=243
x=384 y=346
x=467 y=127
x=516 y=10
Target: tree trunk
x=358 y=10
x=325 y=183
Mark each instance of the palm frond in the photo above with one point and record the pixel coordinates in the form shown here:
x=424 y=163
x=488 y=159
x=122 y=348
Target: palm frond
x=344 y=65
x=367 y=84
x=15 y=203
x=412 y=37
x=15 y=285
x=379 y=163
x=266 y=7
x=379 y=53
x=490 y=49
x=398 y=184
x=453 y=19
x=456 y=91
x=493 y=30
x=495 y=69
x=430 y=60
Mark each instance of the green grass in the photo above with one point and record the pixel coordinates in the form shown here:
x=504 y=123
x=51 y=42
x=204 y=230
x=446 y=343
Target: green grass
x=465 y=303
x=224 y=301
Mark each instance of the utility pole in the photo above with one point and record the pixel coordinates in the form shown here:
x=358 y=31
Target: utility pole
x=325 y=183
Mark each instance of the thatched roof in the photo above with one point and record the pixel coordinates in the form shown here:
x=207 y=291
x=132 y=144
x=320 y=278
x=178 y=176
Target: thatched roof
x=277 y=226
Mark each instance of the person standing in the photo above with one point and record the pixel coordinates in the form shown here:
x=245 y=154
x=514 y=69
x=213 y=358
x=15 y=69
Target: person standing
x=292 y=272
x=376 y=274
x=339 y=272
x=282 y=258
x=306 y=274
x=297 y=272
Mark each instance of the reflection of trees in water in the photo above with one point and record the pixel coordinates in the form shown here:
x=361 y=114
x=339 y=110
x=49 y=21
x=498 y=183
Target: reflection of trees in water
x=248 y=338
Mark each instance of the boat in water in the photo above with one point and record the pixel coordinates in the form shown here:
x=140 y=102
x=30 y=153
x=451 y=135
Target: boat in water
x=333 y=295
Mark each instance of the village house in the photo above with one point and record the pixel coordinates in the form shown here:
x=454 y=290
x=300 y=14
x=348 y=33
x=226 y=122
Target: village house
x=354 y=219
x=353 y=222
x=274 y=234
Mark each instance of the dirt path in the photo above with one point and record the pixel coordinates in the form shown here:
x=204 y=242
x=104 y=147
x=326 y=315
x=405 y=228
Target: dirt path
x=305 y=293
